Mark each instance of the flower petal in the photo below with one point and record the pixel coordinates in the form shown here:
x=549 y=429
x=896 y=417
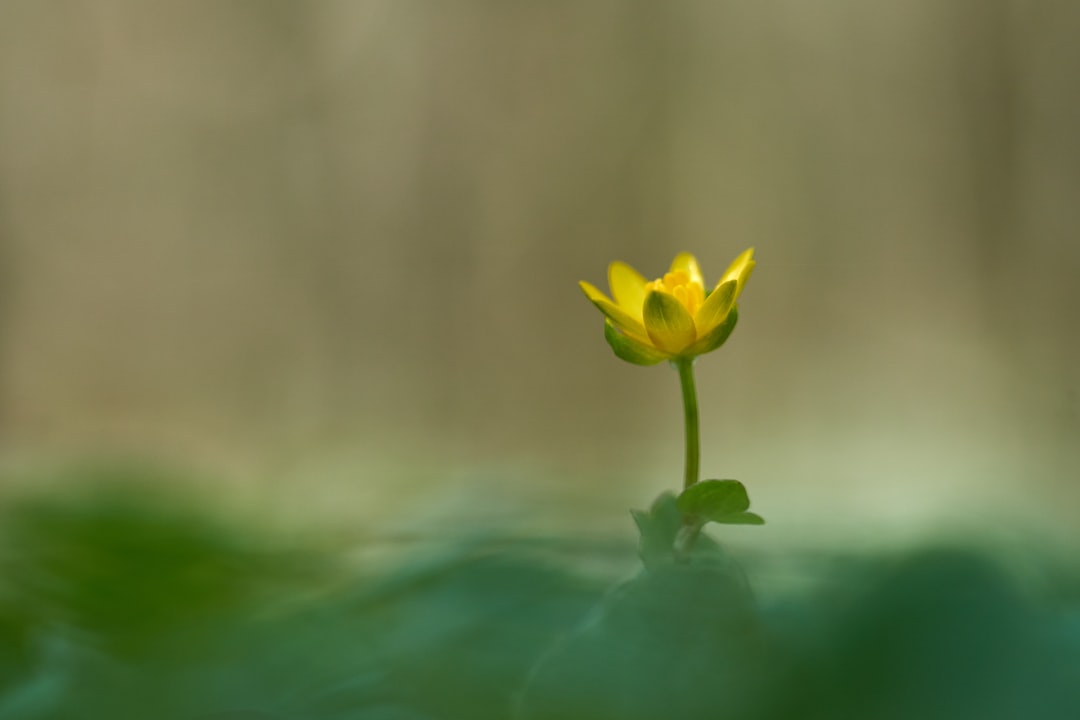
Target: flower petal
x=669 y=325
x=622 y=320
x=718 y=336
x=628 y=287
x=688 y=264
x=740 y=270
x=631 y=350
x=716 y=307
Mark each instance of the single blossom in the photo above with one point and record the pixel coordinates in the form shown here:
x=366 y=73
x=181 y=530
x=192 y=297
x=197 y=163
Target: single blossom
x=673 y=317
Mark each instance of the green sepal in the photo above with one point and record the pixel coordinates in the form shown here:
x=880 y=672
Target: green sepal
x=718 y=336
x=720 y=501
x=630 y=350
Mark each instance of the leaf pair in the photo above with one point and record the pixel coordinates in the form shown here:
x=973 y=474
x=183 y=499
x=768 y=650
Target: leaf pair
x=719 y=501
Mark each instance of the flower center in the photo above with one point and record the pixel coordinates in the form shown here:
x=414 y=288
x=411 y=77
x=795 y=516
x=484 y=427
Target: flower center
x=679 y=285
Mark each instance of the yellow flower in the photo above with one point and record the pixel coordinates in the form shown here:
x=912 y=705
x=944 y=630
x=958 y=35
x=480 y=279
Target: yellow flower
x=672 y=317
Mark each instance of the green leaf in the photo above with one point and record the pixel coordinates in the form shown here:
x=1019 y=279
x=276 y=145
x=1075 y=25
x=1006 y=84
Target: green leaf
x=743 y=518
x=628 y=349
x=659 y=526
x=710 y=498
x=719 y=501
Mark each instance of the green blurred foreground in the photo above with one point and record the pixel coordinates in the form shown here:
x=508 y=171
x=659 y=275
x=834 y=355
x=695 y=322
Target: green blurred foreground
x=119 y=605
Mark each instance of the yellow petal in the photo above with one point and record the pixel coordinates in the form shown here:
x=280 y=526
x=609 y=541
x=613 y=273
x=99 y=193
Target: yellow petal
x=688 y=264
x=638 y=352
x=739 y=270
x=622 y=320
x=668 y=323
x=716 y=307
x=713 y=339
x=628 y=287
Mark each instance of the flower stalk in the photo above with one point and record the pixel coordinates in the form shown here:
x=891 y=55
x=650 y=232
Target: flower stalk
x=690 y=412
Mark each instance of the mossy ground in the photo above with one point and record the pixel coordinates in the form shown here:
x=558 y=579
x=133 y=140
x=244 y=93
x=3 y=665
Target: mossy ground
x=115 y=605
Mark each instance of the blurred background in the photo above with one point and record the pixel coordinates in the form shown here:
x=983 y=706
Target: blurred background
x=327 y=255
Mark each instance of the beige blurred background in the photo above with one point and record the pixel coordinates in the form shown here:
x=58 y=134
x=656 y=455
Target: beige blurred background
x=328 y=252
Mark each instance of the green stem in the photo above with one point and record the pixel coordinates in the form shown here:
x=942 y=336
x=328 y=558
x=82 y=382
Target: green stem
x=693 y=441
